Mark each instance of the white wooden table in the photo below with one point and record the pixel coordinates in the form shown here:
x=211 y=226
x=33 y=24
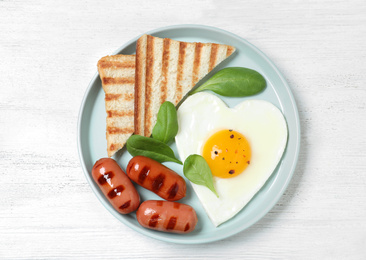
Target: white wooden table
x=48 y=55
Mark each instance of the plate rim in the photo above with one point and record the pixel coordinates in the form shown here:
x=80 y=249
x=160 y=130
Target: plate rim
x=284 y=185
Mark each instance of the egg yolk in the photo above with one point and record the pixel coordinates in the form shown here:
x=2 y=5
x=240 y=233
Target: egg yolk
x=228 y=153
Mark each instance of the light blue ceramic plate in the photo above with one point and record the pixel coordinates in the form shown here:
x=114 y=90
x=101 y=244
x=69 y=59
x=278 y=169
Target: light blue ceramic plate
x=92 y=142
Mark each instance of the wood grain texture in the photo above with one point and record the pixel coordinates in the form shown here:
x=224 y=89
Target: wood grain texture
x=49 y=51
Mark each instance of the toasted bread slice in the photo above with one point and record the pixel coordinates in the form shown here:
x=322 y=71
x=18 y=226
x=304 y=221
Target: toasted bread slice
x=117 y=73
x=166 y=70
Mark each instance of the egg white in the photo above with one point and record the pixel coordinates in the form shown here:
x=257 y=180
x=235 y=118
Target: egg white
x=263 y=125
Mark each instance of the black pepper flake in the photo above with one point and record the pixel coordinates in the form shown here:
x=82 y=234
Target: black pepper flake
x=231 y=172
x=248 y=162
x=236 y=162
x=239 y=138
x=231 y=136
x=223 y=158
x=230 y=130
x=216 y=152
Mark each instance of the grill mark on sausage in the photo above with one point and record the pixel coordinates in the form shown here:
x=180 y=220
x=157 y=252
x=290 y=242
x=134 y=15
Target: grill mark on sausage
x=176 y=205
x=154 y=220
x=130 y=166
x=126 y=204
x=116 y=191
x=173 y=191
x=165 y=67
x=213 y=56
x=171 y=223
x=97 y=165
x=158 y=182
x=159 y=203
x=105 y=178
x=186 y=228
x=143 y=174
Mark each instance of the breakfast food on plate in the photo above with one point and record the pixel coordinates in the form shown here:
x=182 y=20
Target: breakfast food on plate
x=117 y=73
x=157 y=178
x=167 y=216
x=166 y=70
x=115 y=185
x=242 y=146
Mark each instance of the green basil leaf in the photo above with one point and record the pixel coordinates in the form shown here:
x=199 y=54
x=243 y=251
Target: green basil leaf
x=166 y=127
x=196 y=169
x=149 y=147
x=234 y=82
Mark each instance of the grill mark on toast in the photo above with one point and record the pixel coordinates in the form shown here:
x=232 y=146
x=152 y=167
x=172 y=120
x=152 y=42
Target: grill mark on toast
x=213 y=56
x=128 y=97
x=165 y=67
x=196 y=62
x=138 y=85
x=149 y=78
x=116 y=113
x=115 y=81
x=182 y=52
x=113 y=147
x=229 y=51
x=105 y=64
x=110 y=97
x=118 y=130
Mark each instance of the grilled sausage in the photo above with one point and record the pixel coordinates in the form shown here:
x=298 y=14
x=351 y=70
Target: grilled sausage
x=157 y=178
x=167 y=216
x=115 y=185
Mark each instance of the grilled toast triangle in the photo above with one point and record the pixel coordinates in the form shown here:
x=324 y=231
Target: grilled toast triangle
x=117 y=73
x=166 y=70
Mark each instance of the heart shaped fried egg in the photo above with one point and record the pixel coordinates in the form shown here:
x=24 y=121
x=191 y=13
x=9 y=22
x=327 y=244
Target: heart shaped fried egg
x=242 y=146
